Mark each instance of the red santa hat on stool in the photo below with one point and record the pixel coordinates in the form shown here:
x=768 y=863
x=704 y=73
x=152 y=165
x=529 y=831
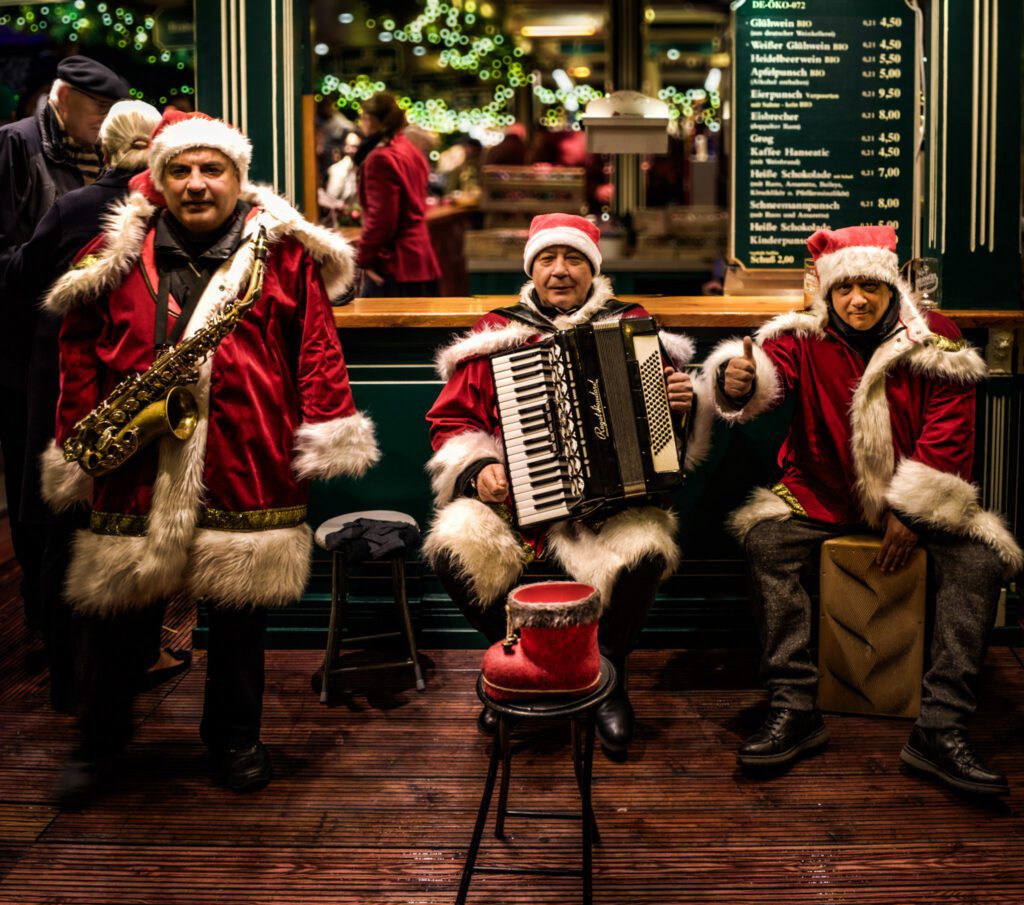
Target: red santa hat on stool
x=179 y=132
x=562 y=229
x=867 y=252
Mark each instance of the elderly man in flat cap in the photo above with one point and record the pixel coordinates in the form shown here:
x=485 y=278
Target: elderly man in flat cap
x=41 y=158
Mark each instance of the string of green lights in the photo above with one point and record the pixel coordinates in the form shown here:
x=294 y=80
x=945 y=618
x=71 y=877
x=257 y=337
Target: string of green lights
x=119 y=28
x=465 y=40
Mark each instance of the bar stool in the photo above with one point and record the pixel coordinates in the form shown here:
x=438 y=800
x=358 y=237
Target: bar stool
x=577 y=711
x=339 y=589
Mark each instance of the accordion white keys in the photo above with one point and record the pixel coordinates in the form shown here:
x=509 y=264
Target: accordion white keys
x=585 y=421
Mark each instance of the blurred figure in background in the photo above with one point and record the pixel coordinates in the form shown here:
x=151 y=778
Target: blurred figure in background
x=41 y=157
x=74 y=219
x=394 y=252
x=342 y=175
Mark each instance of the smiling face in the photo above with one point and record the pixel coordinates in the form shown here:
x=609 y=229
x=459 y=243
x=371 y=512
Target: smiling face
x=861 y=303
x=202 y=188
x=562 y=277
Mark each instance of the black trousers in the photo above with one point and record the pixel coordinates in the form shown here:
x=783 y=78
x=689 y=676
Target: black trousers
x=620 y=624
x=116 y=651
x=58 y=627
x=28 y=539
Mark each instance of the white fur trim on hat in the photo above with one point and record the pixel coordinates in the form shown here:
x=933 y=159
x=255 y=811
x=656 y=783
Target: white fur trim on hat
x=561 y=235
x=196 y=132
x=865 y=261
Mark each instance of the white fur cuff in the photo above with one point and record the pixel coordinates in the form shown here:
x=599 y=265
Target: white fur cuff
x=762 y=505
x=455 y=456
x=481 y=544
x=766 y=394
x=329 y=449
x=678 y=347
x=63 y=484
x=623 y=541
x=702 y=421
x=947 y=502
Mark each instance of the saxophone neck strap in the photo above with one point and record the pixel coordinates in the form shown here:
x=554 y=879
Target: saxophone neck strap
x=161 y=339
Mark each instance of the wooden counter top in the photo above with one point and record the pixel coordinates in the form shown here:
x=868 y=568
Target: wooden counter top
x=671 y=311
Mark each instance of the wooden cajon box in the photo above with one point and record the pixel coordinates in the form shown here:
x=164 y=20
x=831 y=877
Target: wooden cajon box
x=871 y=636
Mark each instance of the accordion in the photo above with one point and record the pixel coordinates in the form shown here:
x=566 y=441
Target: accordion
x=585 y=421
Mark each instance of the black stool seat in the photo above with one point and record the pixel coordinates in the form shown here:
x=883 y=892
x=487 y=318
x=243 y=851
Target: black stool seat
x=578 y=711
x=339 y=587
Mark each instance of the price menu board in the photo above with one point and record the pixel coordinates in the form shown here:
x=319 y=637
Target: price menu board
x=825 y=131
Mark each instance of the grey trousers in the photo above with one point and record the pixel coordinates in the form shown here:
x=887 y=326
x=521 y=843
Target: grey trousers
x=964 y=581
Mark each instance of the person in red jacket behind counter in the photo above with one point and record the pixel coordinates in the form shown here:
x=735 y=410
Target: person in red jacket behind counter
x=394 y=252
x=882 y=437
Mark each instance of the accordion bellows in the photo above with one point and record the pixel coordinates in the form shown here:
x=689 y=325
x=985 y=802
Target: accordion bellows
x=555 y=653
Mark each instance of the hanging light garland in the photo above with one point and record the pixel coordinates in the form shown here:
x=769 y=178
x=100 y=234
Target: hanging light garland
x=464 y=41
x=121 y=28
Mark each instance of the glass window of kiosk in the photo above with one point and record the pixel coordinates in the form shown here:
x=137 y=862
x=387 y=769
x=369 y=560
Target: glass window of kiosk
x=492 y=91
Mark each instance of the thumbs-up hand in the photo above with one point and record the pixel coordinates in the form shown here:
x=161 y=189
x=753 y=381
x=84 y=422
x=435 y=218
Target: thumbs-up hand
x=739 y=373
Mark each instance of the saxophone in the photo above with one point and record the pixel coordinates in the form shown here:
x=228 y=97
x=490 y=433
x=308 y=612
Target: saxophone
x=143 y=407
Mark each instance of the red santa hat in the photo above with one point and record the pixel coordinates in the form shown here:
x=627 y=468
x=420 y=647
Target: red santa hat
x=179 y=131
x=868 y=252
x=562 y=229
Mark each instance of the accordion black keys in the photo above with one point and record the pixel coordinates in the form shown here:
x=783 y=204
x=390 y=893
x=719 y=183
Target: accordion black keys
x=585 y=421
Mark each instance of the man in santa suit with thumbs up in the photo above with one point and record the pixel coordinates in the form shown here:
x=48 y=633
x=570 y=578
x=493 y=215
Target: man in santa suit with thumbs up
x=882 y=438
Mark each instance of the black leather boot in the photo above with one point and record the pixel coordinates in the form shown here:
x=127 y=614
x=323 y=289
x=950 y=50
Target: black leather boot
x=246 y=768
x=949 y=756
x=616 y=721
x=621 y=623
x=785 y=735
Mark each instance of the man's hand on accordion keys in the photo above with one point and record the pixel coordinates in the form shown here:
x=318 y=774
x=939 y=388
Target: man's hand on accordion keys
x=492 y=484
x=680 y=390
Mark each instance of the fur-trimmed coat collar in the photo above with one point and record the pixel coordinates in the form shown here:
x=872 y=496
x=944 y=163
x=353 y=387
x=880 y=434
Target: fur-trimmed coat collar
x=126 y=224
x=491 y=338
x=814 y=320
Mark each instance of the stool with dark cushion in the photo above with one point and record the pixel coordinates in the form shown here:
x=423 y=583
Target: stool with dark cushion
x=578 y=711
x=339 y=583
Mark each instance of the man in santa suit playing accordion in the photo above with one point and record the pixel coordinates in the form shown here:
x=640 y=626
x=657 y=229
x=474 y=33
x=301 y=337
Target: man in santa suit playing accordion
x=475 y=543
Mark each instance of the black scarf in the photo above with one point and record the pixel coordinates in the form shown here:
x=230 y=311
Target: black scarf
x=367 y=145
x=865 y=342
x=189 y=261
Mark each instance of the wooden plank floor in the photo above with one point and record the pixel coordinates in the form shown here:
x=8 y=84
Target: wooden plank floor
x=375 y=798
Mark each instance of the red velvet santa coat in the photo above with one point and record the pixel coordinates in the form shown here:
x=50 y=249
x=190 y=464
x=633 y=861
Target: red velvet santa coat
x=393 y=196
x=220 y=515
x=464 y=428
x=895 y=432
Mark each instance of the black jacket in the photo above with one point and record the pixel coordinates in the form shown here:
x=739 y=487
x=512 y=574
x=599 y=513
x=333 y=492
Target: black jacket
x=34 y=171
x=72 y=221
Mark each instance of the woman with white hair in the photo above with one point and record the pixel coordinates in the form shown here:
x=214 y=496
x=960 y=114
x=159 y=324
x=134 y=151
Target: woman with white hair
x=73 y=220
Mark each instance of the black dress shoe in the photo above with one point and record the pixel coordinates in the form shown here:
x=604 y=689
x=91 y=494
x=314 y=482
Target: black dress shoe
x=784 y=736
x=948 y=755
x=244 y=769
x=488 y=721
x=616 y=721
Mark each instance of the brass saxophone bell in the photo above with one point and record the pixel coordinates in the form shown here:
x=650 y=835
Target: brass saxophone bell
x=177 y=414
